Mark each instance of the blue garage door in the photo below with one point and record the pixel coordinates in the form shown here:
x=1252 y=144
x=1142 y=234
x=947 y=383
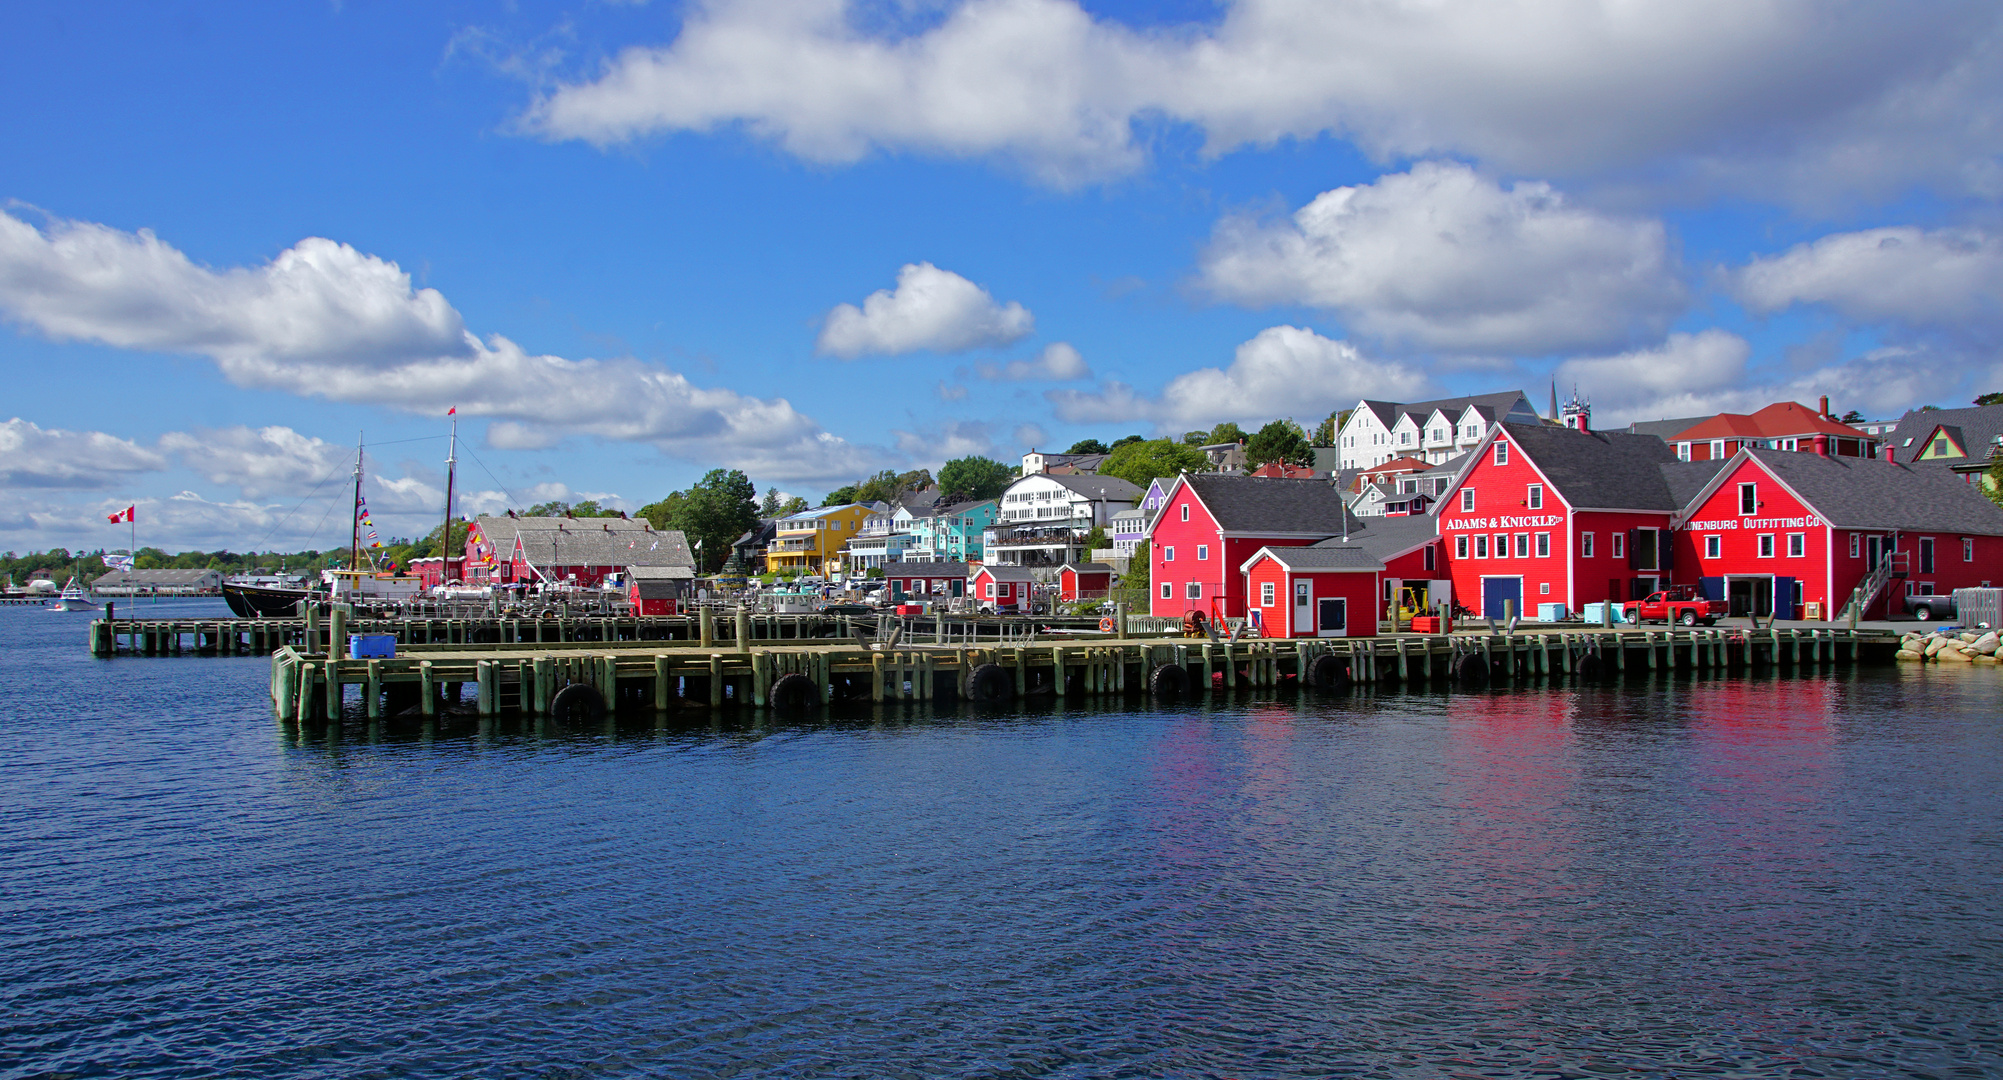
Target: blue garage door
x=1494 y=590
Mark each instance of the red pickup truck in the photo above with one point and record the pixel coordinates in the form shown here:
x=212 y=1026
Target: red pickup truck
x=1681 y=605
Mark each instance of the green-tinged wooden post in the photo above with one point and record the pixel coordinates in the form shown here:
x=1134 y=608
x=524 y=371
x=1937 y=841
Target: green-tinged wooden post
x=1230 y=665
x=372 y=706
x=337 y=640
x=876 y=677
x=427 y=689
x=1206 y=666
x=1021 y=671
x=660 y=681
x=1120 y=618
x=743 y=631
x=1057 y=668
x=706 y=626
x=483 y=694
x=302 y=706
x=1401 y=660
x=716 y=680
x=334 y=691
x=759 y=664
x=312 y=643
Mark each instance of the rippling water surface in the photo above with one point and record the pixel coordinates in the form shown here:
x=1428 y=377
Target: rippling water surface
x=1721 y=877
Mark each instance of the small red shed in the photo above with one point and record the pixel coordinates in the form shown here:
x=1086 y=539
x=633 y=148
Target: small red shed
x=1084 y=581
x=1328 y=590
x=1004 y=588
x=658 y=590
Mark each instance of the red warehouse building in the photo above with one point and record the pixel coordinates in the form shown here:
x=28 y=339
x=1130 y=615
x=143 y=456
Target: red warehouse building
x=1003 y=588
x=1794 y=534
x=1325 y=590
x=922 y=579
x=1558 y=515
x=1210 y=524
x=1084 y=581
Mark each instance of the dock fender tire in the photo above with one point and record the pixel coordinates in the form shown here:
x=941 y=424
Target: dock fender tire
x=1327 y=672
x=794 y=693
x=990 y=684
x=578 y=701
x=1470 y=672
x=1589 y=666
x=1689 y=618
x=1168 y=682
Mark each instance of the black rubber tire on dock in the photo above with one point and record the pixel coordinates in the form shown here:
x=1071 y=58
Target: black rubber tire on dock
x=1470 y=672
x=1589 y=666
x=794 y=694
x=1327 y=672
x=990 y=684
x=578 y=701
x=1168 y=682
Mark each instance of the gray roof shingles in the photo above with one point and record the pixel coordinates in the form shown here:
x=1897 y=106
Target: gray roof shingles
x=1979 y=428
x=1601 y=470
x=1255 y=504
x=1864 y=493
x=554 y=541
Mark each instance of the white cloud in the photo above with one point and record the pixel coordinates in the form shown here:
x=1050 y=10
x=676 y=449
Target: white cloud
x=933 y=447
x=931 y=309
x=261 y=462
x=325 y=321
x=1685 y=368
x=951 y=391
x=1031 y=435
x=1442 y=258
x=1284 y=371
x=1821 y=96
x=1944 y=279
x=1058 y=362
x=36 y=457
x=1706 y=373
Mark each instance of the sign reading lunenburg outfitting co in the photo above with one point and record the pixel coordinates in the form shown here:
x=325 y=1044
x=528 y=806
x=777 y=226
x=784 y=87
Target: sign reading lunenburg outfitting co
x=1755 y=524
x=1476 y=524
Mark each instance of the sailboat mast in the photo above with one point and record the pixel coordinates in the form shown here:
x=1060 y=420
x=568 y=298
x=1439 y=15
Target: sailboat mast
x=445 y=537
x=355 y=511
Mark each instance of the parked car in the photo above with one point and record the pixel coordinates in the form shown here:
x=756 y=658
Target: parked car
x=1928 y=606
x=1680 y=604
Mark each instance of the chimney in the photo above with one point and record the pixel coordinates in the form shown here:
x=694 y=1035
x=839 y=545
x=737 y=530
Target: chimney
x=1821 y=439
x=1888 y=452
x=1825 y=407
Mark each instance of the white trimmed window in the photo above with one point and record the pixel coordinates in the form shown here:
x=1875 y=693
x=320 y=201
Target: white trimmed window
x=1536 y=499
x=1585 y=545
x=1749 y=499
x=1266 y=594
x=1713 y=545
x=1967 y=549
x=1855 y=540
x=1185 y=511
x=1543 y=545
x=1620 y=545
x=1202 y=552
x=1766 y=545
x=1797 y=545
x=1480 y=546
x=1522 y=545
x=1168 y=553
x=1167 y=591
x=1196 y=590
x=1467 y=500
x=1460 y=547
x=1502 y=453
x=1502 y=545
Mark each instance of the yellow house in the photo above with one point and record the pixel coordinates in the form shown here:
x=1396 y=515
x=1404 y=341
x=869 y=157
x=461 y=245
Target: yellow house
x=811 y=540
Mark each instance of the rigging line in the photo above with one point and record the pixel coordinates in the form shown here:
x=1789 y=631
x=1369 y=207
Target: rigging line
x=393 y=442
x=309 y=498
x=495 y=479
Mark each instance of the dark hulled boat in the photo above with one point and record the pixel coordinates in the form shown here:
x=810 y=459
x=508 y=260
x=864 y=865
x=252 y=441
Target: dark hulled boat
x=262 y=601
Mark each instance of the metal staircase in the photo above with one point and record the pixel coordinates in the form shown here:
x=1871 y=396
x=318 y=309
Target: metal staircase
x=1866 y=593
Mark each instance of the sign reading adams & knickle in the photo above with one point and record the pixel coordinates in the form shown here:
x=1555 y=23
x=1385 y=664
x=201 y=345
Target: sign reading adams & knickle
x=1535 y=521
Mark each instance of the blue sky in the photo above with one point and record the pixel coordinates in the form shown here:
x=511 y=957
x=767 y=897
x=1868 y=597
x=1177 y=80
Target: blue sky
x=635 y=241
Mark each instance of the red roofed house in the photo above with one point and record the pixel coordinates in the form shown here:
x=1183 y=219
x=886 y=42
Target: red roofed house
x=1783 y=425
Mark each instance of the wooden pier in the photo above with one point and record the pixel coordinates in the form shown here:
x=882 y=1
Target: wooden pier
x=587 y=678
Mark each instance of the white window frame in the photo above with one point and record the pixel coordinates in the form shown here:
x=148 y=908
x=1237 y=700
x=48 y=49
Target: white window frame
x=1168 y=553
x=1717 y=449
x=1714 y=546
x=1968 y=549
x=1543 y=545
x=1535 y=497
x=1481 y=545
x=1467 y=500
x=1460 y=546
x=1185 y=511
x=1168 y=590
x=1502 y=545
x=1620 y=544
x=1749 y=493
x=1501 y=453
x=1522 y=545
x=1797 y=545
x=1585 y=545
x=1194 y=591
x=1266 y=591
x=1856 y=541
x=1202 y=552
x=1767 y=546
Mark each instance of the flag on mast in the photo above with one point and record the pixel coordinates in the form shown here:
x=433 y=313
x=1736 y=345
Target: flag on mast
x=128 y=514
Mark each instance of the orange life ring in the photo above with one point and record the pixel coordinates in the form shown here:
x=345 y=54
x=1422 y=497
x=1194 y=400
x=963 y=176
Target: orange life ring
x=1105 y=624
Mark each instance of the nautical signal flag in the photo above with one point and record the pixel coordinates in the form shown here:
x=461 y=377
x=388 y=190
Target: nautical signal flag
x=127 y=514
x=453 y=411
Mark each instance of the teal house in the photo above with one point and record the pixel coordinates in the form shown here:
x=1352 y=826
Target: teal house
x=951 y=533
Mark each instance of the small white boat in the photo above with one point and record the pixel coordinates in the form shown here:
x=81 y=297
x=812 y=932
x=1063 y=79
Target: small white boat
x=72 y=599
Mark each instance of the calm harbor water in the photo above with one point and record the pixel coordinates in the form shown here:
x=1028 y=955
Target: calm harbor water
x=1768 y=876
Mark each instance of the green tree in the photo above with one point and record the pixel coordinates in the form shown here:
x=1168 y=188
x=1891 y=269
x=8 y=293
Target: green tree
x=1853 y=417
x=1134 y=587
x=719 y=508
x=1194 y=438
x=666 y=514
x=1994 y=485
x=1095 y=539
x=1138 y=463
x=1087 y=446
x=889 y=485
x=1280 y=440
x=841 y=496
x=552 y=508
x=1223 y=433
x=793 y=506
x=770 y=506
x=1326 y=432
x=1129 y=439
x=973 y=477
x=1990 y=399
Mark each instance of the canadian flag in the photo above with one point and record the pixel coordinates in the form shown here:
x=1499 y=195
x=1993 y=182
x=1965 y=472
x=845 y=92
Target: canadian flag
x=123 y=515
x=453 y=411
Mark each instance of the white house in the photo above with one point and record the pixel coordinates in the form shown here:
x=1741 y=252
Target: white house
x=1044 y=517
x=1378 y=431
